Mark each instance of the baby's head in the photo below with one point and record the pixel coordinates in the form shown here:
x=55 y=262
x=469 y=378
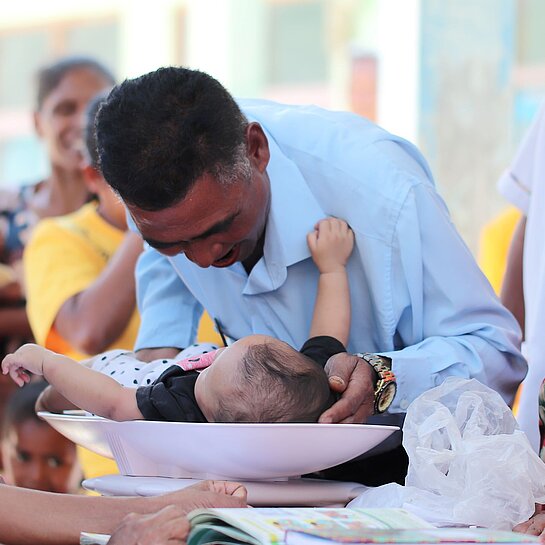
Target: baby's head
x=34 y=454
x=262 y=379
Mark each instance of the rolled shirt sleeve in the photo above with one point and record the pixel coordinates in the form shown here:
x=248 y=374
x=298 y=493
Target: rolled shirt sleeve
x=447 y=316
x=169 y=312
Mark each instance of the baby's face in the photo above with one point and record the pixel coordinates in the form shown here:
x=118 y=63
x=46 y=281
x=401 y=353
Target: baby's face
x=219 y=381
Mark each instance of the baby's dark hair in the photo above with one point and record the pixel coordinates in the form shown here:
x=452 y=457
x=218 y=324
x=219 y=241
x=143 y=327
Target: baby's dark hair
x=20 y=406
x=276 y=385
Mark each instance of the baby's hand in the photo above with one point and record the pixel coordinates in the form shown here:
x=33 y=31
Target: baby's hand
x=30 y=357
x=331 y=244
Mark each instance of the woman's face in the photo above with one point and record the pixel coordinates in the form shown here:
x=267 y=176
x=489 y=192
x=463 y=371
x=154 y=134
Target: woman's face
x=38 y=457
x=59 y=122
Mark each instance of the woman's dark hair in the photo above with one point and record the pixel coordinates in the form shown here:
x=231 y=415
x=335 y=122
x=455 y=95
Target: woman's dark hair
x=49 y=77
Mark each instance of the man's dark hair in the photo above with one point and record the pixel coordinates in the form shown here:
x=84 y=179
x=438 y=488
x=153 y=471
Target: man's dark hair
x=277 y=385
x=157 y=134
x=89 y=131
x=20 y=406
x=49 y=77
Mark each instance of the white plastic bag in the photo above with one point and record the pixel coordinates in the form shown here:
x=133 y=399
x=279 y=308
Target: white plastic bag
x=468 y=461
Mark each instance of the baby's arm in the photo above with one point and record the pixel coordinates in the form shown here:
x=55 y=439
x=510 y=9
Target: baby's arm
x=331 y=244
x=50 y=400
x=85 y=388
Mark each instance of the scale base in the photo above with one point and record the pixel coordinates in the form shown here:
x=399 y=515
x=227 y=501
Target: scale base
x=288 y=493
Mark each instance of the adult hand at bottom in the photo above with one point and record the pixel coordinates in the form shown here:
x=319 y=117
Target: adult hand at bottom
x=168 y=526
x=535 y=527
x=209 y=494
x=353 y=378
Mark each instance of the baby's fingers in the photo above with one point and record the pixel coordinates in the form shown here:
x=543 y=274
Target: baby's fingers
x=312 y=239
x=16 y=375
x=15 y=371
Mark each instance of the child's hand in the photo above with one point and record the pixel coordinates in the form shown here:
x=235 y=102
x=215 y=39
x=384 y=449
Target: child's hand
x=331 y=244
x=30 y=357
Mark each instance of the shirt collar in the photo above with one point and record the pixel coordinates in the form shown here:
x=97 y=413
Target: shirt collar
x=294 y=212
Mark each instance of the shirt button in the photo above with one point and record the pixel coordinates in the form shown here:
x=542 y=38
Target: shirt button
x=403 y=404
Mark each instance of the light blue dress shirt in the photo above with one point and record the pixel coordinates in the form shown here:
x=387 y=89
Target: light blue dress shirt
x=417 y=295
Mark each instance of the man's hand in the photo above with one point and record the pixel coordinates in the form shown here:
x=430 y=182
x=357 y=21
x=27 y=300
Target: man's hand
x=168 y=526
x=353 y=378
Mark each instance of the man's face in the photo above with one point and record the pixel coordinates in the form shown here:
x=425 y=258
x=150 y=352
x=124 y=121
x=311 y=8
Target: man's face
x=214 y=225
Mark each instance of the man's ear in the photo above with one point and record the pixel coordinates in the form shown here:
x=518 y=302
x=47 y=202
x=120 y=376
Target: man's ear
x=257 y=146
x=92 y=178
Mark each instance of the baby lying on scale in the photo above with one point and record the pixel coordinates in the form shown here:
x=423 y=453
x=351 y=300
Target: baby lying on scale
x=256 y=379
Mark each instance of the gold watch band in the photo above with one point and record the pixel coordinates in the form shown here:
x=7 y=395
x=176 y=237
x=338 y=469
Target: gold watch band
x=386 y=386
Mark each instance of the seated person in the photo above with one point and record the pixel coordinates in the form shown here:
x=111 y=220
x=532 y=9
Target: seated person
x=227 y=388
x=35 y=455
x=536 y=525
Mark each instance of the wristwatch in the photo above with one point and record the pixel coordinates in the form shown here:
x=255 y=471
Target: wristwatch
x=386 y=387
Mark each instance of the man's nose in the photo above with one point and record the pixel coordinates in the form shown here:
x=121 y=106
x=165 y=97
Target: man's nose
x=204 y=254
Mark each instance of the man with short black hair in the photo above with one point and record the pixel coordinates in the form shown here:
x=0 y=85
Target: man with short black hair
x=225 y=192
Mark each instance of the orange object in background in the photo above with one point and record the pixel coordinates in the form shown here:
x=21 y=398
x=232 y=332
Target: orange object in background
x=207 y=332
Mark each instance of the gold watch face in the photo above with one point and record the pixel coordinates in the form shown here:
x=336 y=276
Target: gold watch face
x=385 y=397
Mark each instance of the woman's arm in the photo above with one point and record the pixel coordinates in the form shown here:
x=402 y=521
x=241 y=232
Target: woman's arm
x=82 y=321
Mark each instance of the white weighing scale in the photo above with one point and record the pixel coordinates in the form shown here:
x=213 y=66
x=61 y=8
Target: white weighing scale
x=159 y=457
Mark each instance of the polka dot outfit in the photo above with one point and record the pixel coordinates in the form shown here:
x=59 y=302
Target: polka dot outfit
x=125 y=368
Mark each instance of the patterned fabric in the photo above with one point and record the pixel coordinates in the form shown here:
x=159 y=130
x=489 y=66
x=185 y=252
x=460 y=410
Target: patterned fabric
x=129 y=371
x=16 y=221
